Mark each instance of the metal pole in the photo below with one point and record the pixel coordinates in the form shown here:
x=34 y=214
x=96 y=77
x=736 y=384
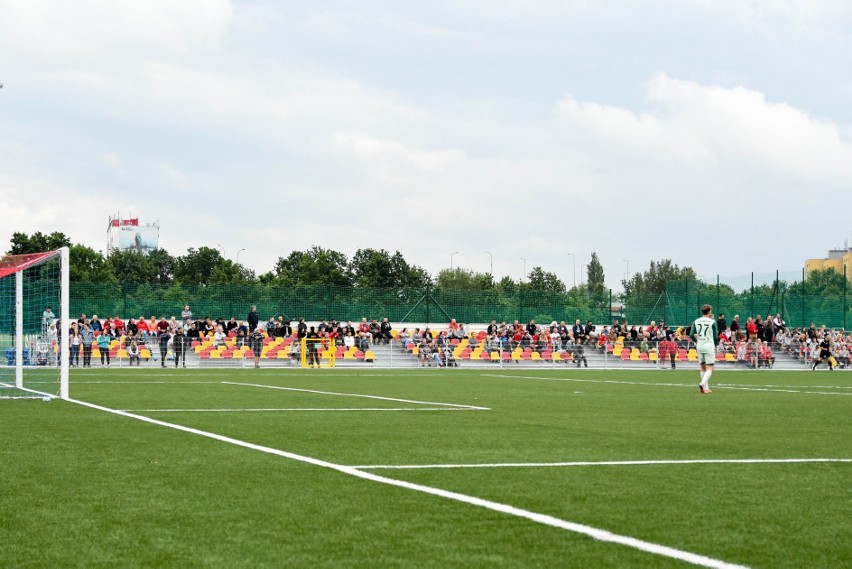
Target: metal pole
x=686 y=304
x=802 y=307
x=238 y=255
x=751 y=301
x=844 y=297
x=574 y=268
x=451 y=259
x=523 y=276
x=64 y=320
x=491 y=265
x=718 y=308
x=19 y=329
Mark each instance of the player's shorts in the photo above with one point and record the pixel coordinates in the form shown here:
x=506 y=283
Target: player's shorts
x=707 y=356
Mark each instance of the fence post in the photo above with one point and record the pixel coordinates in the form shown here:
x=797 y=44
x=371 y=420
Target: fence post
x=802 y=307
x=844 y=297
x=609 y=310
x=521 y=304
x=718 y=308
x=686 y=301
x=751 y=299
x=428 y=296
x=231 y=298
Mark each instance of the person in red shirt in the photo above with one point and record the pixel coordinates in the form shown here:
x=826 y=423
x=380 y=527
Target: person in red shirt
x=668 y=350
x=751 y=329
x=142 y=326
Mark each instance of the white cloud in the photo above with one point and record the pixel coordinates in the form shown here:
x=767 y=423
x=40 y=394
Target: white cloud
x=171 y=112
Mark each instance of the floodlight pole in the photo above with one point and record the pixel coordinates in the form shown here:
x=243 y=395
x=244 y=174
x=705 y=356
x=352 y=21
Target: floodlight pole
x=574 y=268
x=524 y=275
x=238 y=255
x=451 y=259
x=491 y=257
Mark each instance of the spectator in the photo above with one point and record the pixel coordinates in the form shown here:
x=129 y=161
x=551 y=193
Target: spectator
x=95 y=324
x=270 y=326
x=133 y=353
x=74 y=345
x=219 y=337
x=142 y=327
x=579 y=332
x=256 y=345
x=180 y=343
x=162 y=326
x=385 y=331
x=735 y=328
x=87 y=338
x=589 y=331
x=751 y=329
x=253 y=318
x=232 y=325
x=375 y=330
x=164 y=345
x=47 y=318
x=349 y=340
x=722 y=323
x=531 y=328
x=104 y=341
x=186 y=315
x=302 y=328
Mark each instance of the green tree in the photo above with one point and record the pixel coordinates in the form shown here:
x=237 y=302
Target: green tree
x=198 y=266
x=595 y=275
x=131 y=266
x=316 y=266
x=463 y=279
x=544 y=281
x=89 y=266
x=162 y=266
x=653 y=281
x=37 y=242
x=380 y=269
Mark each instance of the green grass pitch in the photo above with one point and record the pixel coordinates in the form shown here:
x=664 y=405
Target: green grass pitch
x=83 y=487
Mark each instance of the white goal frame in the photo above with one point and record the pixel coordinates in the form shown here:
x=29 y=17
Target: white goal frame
x=62 y=330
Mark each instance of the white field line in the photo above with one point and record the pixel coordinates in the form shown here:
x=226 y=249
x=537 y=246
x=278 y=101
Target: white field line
x=469 y=407
x=296 y=409
x=602 y=463
x=594 y=533
x=653 y=384
x=33 y=391
x=131 y=382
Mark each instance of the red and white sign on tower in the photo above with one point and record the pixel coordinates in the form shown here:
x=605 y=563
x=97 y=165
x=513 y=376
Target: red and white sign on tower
x=127 y=234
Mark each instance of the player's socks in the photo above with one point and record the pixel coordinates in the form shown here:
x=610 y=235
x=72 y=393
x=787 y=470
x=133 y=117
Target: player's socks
x=706 y=379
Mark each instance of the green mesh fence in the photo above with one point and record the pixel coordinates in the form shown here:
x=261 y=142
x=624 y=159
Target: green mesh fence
x=342 y=303
x=678 y=304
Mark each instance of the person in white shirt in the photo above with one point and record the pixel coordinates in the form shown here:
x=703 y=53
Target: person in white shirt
x=705 y=334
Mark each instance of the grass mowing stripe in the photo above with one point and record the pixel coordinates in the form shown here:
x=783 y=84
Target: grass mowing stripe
x=603 y=463
x=472 y=407
x=656 y=384
x=594 y=533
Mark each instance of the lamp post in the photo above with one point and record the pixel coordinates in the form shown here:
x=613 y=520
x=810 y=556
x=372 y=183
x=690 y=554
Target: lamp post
x=574 y=268
x=491 y=257
x=219 y=245
x=451 y=259
x=238 y=254
x=524 y=275
x=627 y=269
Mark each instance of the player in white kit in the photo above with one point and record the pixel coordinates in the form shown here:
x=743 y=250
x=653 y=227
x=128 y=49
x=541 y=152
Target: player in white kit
x=705 y=334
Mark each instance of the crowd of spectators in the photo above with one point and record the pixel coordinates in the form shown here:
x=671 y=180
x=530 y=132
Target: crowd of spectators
x=752 y=343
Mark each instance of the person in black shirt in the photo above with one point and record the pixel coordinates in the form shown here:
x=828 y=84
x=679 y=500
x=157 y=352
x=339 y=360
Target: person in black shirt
x=253 y=318
x=301 y=329
x=531 y=328
x=256 y=345
x=180 y=343
x=164 y=347
x=721 y=323
x=385 y=331
x=824 y=354
x=579 y=332
x=311 y=346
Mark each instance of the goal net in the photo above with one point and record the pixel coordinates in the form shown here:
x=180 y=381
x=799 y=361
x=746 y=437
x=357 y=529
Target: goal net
x=34 y=325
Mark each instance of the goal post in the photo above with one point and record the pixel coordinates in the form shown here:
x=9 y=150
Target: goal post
x=34 y=322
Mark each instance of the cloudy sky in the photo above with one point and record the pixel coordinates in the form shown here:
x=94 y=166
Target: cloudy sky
x=717 y=133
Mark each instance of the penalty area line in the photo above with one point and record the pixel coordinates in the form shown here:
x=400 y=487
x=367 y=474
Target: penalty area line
x=604 y=463
x=658 y=384
x=469 y=407
x=295 y=409
x=544 y=519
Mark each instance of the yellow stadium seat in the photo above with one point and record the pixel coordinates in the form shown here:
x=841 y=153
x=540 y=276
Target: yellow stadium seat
x=370 y=355
x=730 y=358
x=215 y=355
x=122 y=353
x=495 y=356
x=535 y=356
x=557 y=357
x=652 y=356
x=237 y=354
x=282 y=354
x=145 y=353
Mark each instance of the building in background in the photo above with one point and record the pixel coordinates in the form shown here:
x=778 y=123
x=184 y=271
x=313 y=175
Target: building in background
x=126 y=234
x=837 y=259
